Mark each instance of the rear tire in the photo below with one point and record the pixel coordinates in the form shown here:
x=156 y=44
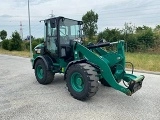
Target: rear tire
x=82 y=81
x=42 y=74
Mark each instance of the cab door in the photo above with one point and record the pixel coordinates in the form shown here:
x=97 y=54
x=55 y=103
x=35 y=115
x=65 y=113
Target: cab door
x=51 y=37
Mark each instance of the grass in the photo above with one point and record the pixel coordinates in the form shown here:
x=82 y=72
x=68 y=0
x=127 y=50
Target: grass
x=141 y=61
x=144 y=61
x=15 y=53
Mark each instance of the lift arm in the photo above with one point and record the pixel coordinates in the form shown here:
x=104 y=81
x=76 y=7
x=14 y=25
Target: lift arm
x=105 y=70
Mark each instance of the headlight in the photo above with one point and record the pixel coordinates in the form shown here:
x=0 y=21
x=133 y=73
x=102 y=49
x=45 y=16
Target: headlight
x=38 y=51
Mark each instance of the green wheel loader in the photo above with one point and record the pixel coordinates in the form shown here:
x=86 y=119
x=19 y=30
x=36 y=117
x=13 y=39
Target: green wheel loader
x=84 y=67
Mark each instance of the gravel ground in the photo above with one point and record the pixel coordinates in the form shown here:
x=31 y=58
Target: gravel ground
x=23 y=98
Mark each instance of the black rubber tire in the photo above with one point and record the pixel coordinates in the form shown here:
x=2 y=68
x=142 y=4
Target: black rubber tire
x=105 y=83
x=90 y=79
x=48 y=75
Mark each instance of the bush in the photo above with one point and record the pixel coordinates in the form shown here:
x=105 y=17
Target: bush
x=145 y=38
x=37 y=41
x=110 y=35
x=5 y=44
x=34 y=44
x=141 y=39
x=15 y=42
x=132 y=43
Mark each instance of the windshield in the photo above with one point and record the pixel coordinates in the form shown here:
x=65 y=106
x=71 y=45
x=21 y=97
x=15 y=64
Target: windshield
x=69 y=30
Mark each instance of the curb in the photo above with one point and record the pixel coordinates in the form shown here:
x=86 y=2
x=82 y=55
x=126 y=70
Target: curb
x=143 y=71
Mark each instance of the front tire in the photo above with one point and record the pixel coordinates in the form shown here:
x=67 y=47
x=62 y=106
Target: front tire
x=82 y=81
x=43 y=75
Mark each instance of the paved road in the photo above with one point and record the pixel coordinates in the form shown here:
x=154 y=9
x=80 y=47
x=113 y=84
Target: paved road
x=23 y=98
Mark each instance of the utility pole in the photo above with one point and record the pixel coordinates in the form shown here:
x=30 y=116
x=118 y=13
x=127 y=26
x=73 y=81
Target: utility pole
x=30 y=30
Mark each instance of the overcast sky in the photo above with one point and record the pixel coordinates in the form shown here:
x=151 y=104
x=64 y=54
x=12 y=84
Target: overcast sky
x=112 y=13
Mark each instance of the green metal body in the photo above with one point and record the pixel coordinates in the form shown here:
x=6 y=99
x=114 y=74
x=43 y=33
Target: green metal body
x=109 y=65
x=105 y=61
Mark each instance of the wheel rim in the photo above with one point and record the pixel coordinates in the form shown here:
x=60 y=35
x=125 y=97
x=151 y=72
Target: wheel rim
x=39 y=71
x=77 y=82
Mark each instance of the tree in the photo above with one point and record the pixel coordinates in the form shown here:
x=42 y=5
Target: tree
x=90 y=24
x=3 y=34
x=15 y=42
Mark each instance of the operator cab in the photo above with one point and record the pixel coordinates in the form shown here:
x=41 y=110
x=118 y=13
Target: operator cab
x=59 y=32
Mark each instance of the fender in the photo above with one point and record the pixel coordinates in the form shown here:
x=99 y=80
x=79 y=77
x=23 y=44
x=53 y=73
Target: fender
x=79 y=61
x=47 y=61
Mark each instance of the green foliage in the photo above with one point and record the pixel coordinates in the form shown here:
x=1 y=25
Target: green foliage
x=156 y=32
x=90 y=24
x=139 y=39
x=37 y=41
x=156 y=36
x=131 y=43
x=157 y=28
x=146 y=38
x=34 y=44
x=25 y=45
x=3 y=34
x=110 y=35
x=15 y=42
x=5 y=44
